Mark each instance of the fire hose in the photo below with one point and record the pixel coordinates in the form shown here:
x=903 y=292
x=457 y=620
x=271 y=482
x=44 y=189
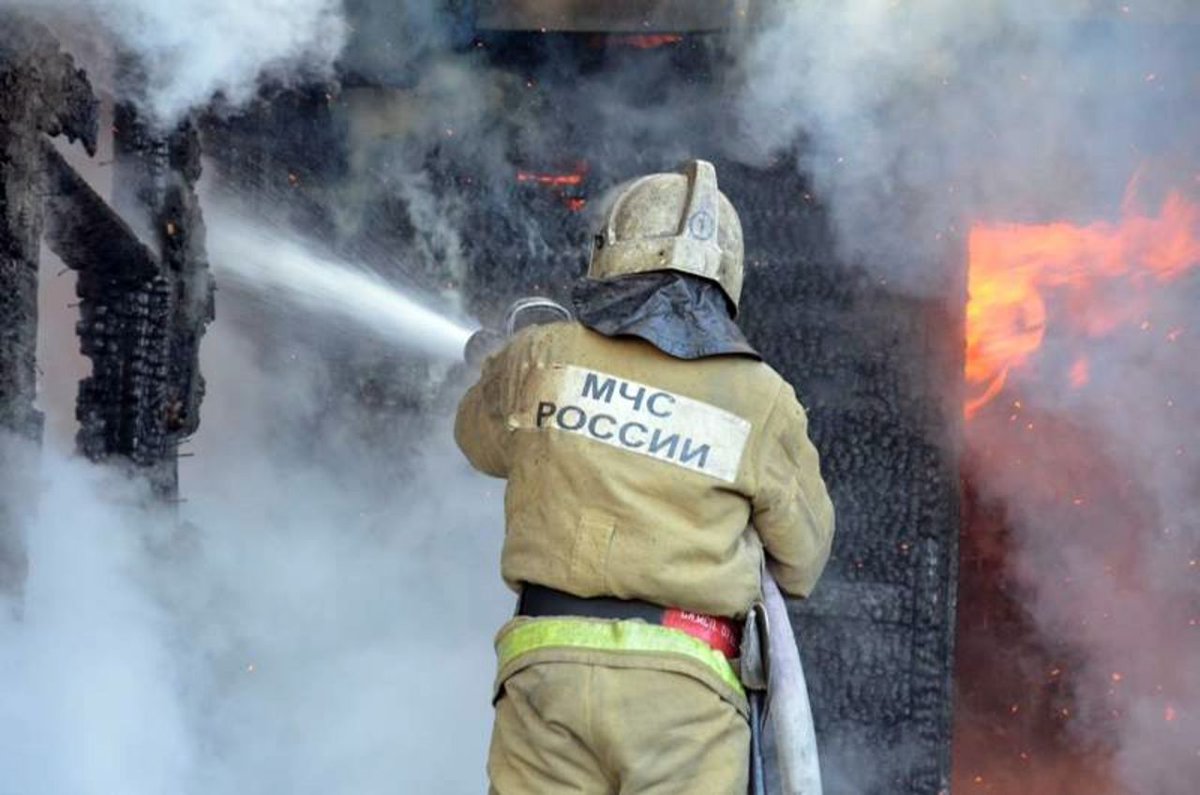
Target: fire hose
x=773 y=675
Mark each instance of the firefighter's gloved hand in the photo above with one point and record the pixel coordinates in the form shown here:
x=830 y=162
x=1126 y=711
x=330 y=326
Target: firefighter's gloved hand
x=482 y=344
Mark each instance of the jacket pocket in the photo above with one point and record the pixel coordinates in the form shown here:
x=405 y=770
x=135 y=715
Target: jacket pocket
x=589 y=553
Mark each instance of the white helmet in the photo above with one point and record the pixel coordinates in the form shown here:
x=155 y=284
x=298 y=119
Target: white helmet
x=672 y=222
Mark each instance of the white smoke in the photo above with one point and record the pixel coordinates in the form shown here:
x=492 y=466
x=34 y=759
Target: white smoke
x=916 y=118
x=192 y=51
x=346 y=632
x=90 y=701
x=301 y=631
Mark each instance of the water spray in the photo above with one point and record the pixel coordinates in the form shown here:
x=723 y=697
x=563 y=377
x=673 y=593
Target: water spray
x=256 y=258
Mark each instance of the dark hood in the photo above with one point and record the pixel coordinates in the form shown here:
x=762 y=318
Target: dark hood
x=681 y=315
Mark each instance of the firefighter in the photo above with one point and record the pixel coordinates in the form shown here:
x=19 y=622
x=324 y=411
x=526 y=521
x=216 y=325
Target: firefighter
x=654 y=462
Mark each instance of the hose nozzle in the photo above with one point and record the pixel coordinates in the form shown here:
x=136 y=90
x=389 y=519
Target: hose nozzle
x=533 y=311
x=524 y=312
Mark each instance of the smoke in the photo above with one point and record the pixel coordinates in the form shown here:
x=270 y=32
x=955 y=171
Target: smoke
x=89 y=699
x=334 y=611
x=915 y=119
x=192 y=51
x=1099 y=490
x=293 y=630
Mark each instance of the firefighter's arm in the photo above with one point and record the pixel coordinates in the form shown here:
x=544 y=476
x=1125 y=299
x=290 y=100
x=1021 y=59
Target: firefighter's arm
x=792 y=511
x=479 y=426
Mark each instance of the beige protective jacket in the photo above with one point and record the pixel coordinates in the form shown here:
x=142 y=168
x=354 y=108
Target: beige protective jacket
x=637 y=475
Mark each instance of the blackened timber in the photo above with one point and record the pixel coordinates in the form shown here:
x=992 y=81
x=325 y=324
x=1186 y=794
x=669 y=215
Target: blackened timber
x=145 y=390
x=85 y=232
x=41 y=93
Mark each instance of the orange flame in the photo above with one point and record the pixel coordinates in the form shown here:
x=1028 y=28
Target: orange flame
x=552 y=180
x=1094 y=271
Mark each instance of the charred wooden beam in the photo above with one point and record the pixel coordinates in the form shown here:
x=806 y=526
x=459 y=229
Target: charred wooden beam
x=142 y=330
x=87 y=234
x=41 y=93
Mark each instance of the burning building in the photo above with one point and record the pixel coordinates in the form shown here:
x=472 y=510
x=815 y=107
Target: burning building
x=457 y=153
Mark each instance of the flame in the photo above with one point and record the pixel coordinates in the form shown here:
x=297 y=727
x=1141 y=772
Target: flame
x=1097 y=273
x=561 y=182
x=552 y=180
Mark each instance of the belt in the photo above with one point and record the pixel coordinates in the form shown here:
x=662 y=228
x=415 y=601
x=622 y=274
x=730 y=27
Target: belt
x=719 y=633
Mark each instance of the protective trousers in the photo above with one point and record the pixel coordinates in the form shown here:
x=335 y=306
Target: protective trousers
x=565 y=727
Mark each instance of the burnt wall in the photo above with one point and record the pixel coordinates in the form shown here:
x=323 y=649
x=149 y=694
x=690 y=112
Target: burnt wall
x=41 y=94
x=145 y=292
x=142 y=328
x=876 y=371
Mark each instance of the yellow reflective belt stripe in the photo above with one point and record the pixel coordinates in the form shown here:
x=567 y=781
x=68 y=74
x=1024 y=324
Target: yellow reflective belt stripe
x=547 y=633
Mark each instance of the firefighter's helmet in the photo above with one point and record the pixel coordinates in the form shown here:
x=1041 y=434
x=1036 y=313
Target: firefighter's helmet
x=672 y=222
